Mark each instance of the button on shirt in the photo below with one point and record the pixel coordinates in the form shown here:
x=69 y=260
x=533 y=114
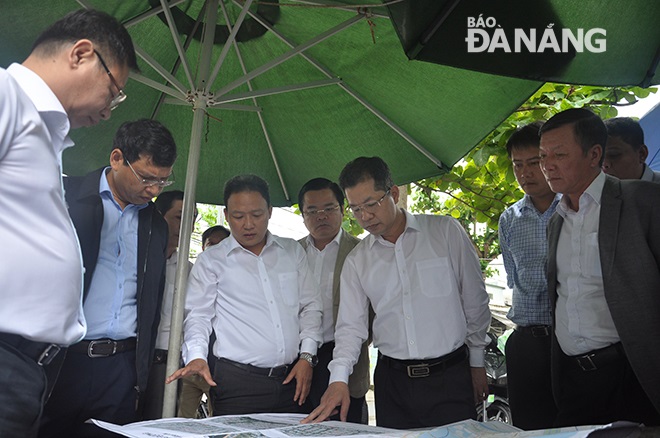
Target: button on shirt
x=264 y=308
x=322 y=265
x=111 y=302
x=40 y=261
x=584 y=322
x=426 y=290
x=524 y=245
x=163 y=338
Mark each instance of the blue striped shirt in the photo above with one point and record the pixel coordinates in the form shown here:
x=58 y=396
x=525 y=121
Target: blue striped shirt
x=524 y=246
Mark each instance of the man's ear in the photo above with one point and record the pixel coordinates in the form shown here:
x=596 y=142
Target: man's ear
x=394 y=191
x=81 y=52
x=643 y=153
x=116 y=159
x=596 y=153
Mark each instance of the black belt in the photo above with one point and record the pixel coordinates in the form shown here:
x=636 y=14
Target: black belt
x=596 y=359
x=42 y=353
x=538 y=331
x=160 y=356
x=103 y=347
x=426 y=367
x=278 y=372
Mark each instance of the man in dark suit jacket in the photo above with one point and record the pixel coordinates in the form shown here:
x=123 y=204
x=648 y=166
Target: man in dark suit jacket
x=123 y=240
x=603 y=280
x=321 y=203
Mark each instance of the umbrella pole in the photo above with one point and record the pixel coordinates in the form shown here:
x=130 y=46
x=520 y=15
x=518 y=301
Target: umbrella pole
x=200 y=100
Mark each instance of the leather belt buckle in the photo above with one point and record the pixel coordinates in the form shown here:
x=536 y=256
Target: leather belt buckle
x=47 y=356
x=420 y=370
x=586 y=362
x=90 y=348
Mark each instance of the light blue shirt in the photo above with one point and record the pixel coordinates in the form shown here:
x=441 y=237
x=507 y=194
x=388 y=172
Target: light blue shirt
x=524 y=246
x=111 y=303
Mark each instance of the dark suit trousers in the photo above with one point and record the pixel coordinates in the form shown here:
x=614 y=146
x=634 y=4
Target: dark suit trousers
x=529 y=381
x=102 y=388
x=441 y=398
x=357 y=410
x=609 y=393
x=239 y=391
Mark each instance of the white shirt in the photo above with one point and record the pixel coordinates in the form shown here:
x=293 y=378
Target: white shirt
x=163 y=337
x=40 y=260
x=583 y=319
x=264 y=309
x=426 y=290
x=322 y=265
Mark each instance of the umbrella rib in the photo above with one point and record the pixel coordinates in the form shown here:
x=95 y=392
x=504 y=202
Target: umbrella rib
x=277 y=90
x=259 y=114
x=158 y=86
x=291 y=53
x=354 y=94
x=177 y=43
x=230 y=40
x=150 y=13
x=160 y=69
x=339 y=8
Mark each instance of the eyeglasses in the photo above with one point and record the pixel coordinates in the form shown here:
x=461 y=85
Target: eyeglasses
x=121 y=96
x=152 y=182
x=369 y=207
x=327 y=211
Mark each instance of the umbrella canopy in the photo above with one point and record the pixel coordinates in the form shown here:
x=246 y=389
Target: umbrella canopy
x=588 y=42
x=295 y=93
x=651 y=125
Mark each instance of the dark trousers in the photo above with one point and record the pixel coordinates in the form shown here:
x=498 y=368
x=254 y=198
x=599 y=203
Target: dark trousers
x=23 y=384
x=358 y=411
x=603 y=395
x=404 y=402
x=529 y=380
x=102 y=388
x=241 y=391
x=155 y=392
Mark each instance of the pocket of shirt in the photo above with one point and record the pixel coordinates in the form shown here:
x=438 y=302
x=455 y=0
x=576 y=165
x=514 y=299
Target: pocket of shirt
x=289 y=288
x=436 y=277
x=591 y=257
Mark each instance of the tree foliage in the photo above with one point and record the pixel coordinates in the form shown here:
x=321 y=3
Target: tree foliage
x=482 y=185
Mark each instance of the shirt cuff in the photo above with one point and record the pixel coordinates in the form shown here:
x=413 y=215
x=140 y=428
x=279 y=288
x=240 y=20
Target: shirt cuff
x=308 y=345
x=338 y=373
x=477 y=357
x=195 y=353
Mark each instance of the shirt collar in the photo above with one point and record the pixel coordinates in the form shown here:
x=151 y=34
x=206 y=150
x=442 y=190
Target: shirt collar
x=46 y=103
x=647 y=175
x=337 y=238
x=233 y=244
x=411 y=224
x=593 y=193
x=526 y=203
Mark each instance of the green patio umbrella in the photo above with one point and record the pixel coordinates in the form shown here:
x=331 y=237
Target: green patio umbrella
x=288 y=91
x=587 y=42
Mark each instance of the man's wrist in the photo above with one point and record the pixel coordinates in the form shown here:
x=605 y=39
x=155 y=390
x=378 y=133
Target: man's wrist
x=310 y=358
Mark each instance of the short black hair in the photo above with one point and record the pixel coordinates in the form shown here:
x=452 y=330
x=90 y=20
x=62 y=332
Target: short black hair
x=320 y=184
x=627 y=129
x=146 y=137
x=588 y=128
x=102 y=29
x=364 y=168
x=524 y=137
x=212 y=230
x=165 y=200
x=246 y=183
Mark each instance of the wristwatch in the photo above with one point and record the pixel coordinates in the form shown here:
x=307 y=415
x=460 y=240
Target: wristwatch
x=312 y=359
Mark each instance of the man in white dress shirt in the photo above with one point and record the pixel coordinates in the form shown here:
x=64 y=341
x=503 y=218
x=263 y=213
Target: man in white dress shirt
x=626 y=153
x=254 y=290
x=321 y=203
x=63 y=84
x=421 y=275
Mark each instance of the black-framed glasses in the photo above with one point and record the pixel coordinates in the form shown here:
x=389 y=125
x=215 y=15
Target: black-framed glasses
x=327 y=211
x=368 y=207
x=120 y=96
x=153 y=182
